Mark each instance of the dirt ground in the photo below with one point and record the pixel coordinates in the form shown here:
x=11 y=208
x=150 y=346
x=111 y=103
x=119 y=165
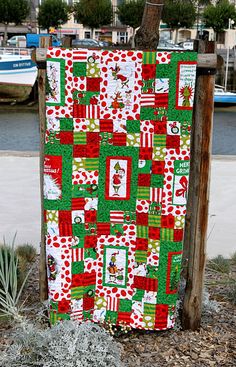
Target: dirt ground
x=213 y=345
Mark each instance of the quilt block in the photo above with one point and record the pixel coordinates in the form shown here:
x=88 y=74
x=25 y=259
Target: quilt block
x=116 y=168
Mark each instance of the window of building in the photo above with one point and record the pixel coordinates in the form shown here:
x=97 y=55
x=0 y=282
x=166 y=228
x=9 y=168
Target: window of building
x=87 y=34
x=122 y=37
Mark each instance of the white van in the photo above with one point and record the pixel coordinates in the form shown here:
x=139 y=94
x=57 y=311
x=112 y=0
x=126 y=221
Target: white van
x=15 y=41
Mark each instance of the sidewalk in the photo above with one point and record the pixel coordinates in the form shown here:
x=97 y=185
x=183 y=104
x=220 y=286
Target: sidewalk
x=20 y=201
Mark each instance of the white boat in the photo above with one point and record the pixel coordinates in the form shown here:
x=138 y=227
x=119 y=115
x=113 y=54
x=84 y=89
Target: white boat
x=18 y=73
x=221 y=96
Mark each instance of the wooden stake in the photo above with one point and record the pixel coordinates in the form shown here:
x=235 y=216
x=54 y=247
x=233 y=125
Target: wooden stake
x=45 y=42
x=147 y=36
x=198 y=197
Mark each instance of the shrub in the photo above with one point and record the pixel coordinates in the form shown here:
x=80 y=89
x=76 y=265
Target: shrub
x=27 y=252
x=219 y=264
x=67 y=344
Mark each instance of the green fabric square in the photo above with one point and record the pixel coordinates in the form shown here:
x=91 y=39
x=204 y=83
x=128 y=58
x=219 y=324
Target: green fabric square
x=90 y=290
x=111 y=317
x=125 y=305
x=152 y=272
x=147 y=113
x=167 y=234
x=117 y=229
x=159 y=140
x=143 y=192
x=77 y=267
x=54 y=305
x=87 y=315
x=144 y=166
x=157 y=181
x=78 y=229
x=142 y=232
x=90 y=253
x=149 y=57
x=154 y=220
x=138 y=296
x=140 y=256
x=80 y=137
x=77 y=292
x=66 y=124
x=79 y=68
x=148 y=86
x=91 y=164
x=133 y=126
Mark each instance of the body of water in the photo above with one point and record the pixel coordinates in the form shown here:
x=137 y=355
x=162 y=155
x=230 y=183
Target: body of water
x=19 y=131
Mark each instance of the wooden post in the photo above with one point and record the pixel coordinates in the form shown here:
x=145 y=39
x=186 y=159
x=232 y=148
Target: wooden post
x=198 y=197
x=45 y=42
x=147 y=36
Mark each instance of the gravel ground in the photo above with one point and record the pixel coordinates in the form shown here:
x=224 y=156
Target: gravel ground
x=212 y=345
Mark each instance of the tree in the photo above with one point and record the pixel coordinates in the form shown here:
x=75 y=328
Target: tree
x=217 y=16
x=13 y=12
x=53 y=13
x=131 y=13
x=179 y=14
x=93 y=14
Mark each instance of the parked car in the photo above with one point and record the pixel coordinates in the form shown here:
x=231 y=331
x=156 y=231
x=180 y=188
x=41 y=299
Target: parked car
x=87 y=42
x=33 y=40
x=165 y=45
x=14 y=40
x=187 y=45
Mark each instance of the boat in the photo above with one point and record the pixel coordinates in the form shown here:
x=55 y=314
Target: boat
x=18 y=74
x=224 y=97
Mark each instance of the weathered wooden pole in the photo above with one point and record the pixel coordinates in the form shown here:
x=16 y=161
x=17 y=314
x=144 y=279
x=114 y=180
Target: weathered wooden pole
x=147 y=36
x=198 y=197
x=45 y=42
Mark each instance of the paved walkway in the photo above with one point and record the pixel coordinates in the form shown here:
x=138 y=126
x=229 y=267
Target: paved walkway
x=20 y=201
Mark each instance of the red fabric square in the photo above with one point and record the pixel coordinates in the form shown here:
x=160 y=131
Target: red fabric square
x=79 y=151
x=154 y=233
x=77 y=280
x=119 y=139
x=93 y=84
x=178 y=235
x=158 y=167
x=93 y=138
x=77 y=203
x=66 y=137
x=145 y=153
x=142 y=219
x=172 y=141
x=160 y=127
x=141 y=244
x=161 y=100
x=151 y=285
x=65 y=216
x=103 y=228
x=148 y=71
x=106 y=125
x=63 y=306
x=65 y=229
x=167 y=221
x=124 y=317
x=88 y=303
x=90 y=241
x=89 y=278
x=90 y=216
x=144 y=179
x=79 y=111
x=92 y=151
x=139 y=282
x=161 y=317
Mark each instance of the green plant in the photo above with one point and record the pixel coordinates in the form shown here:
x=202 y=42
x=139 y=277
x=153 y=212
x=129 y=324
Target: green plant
x=67 y=344
x=219 y=264
x=233 y=258
x=27 y=252
x=10 y=291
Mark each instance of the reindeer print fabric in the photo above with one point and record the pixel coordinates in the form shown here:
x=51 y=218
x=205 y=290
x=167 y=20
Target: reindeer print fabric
x=116 y=171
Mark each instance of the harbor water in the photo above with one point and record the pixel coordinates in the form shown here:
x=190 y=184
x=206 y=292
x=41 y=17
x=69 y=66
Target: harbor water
x=19 y=131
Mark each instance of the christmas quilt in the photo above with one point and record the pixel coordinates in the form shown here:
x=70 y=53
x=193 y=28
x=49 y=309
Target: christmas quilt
x=116 y=171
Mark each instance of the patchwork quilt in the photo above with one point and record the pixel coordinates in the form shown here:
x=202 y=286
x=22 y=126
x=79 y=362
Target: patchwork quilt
x=116 y=168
